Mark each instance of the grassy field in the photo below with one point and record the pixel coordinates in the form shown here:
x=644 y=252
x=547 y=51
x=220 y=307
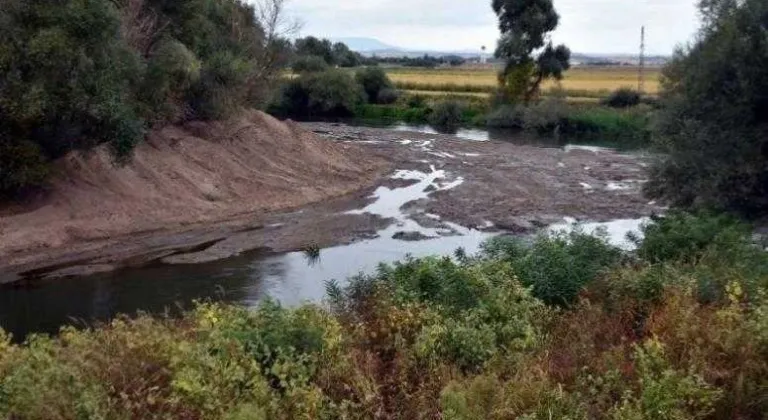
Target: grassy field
x=579 y=82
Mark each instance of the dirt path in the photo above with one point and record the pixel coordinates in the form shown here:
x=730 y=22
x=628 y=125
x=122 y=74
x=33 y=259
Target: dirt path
x=494 y=186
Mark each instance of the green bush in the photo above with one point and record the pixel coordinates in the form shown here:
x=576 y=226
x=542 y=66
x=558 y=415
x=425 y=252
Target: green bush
x=332 y=93
x=545 y=117
x=622 y=129
x=309 y=64
x=685 y=237
x=712 y=122
x=447 y=116
x=506 y=116
x=67 y=77
x=416 y=101
x=622 y=98
x=557 y=266
x=388 y=96
x=374 y=80
x=80 y=73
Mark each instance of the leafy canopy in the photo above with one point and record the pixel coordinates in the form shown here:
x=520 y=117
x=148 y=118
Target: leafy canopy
x=713 y=126
x=525 y=26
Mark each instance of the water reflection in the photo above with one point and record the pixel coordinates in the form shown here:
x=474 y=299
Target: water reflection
x=45 y=306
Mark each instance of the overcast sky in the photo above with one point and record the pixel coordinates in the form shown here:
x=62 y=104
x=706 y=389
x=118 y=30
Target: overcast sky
x=589 y=26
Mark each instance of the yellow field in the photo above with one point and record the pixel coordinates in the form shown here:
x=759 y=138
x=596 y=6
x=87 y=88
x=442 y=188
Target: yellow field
x=570 y=99
x=596 y=80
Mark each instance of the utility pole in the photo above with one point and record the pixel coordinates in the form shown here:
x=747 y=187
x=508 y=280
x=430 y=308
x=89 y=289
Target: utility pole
x=641 y=64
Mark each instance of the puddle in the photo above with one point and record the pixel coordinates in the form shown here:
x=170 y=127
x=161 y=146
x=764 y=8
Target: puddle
x=463 y=133
x=616 y=230
x=593 y=149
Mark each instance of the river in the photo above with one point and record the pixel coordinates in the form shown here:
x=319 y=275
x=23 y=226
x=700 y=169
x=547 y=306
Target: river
x=291 y=278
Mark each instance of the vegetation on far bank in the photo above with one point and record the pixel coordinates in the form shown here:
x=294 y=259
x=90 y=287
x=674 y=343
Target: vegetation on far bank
x=565 y=327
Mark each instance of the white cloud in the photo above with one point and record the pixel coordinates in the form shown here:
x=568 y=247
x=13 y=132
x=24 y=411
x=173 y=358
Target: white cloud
x=596 y=26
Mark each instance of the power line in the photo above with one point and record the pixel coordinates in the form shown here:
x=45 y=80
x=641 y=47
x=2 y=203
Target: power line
x=641 y=64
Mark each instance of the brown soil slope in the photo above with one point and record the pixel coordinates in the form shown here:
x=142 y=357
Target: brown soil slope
x=200 y=172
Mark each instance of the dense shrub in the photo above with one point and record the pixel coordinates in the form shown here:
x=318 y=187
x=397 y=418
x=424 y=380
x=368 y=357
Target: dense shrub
x=67 y=77
x=545 y=117
x=713 y=122
x=558 y=265
x=374 y=80
x=622 y=98
x=333 y=93
x=416 y=101
x=388 y=96
x=680 y=236
x=309 y=64
x=79 y=73
x=621 y=129
x=447 y=116
x=506 y=116
x=388 y=113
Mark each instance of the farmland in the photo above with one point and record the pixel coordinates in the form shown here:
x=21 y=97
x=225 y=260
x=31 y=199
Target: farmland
x=580 y=82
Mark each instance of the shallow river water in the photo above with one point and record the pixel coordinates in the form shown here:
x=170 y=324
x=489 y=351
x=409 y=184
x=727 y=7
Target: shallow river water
x=291 y=278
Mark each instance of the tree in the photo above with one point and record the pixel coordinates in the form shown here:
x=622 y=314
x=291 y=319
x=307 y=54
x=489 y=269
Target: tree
x=317 y=47
x=713 y=125
x=374 y=80
x=345 y=57
x=525 y=26
x=78 y=73
x=309 y=64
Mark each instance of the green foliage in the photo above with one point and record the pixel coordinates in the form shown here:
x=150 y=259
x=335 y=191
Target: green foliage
x=374 y=80
x=666 y=393
x=712 y=125
x=438 y=338
x=309 y=64
x=622 y=98
x=616 y=128
x=552 y=116
x=67 y=77
x=557 y=266
x=333 y=93
x=447 y=116
x=344 y=57
x=388 y=96
x=507 y=116
x=389 y=113
x=525 y=25
x=314 y=47
x=80 y=73
x=681 y=236
x=545 y=117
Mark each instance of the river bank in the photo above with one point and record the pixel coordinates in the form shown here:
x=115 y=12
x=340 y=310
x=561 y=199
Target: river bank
x=499 y=186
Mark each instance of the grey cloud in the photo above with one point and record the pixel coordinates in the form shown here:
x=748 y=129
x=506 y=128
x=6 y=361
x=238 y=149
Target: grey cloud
x=586 y=25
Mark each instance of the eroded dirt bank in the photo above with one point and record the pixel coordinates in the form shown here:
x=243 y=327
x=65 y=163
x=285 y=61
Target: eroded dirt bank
x=494 y=186
x=181 y=177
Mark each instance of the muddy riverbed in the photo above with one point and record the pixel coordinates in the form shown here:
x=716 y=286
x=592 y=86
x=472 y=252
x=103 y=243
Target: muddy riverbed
x=441 y=193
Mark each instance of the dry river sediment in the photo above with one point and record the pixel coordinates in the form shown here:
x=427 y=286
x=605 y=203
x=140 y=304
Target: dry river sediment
x=456 y=186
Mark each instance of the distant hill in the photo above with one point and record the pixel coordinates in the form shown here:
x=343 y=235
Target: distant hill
x=363 y=45
x=372 y=46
